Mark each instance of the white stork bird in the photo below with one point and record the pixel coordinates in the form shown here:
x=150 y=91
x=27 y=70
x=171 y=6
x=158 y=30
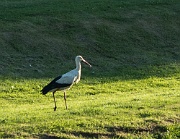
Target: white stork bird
x=65 y=81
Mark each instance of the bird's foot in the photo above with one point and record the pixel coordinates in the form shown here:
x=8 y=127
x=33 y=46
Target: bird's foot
x=55 y=108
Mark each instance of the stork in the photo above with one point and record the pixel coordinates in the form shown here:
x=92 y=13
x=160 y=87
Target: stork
x=65 y=81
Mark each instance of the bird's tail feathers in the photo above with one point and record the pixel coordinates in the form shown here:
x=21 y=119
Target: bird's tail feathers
x=45 y=90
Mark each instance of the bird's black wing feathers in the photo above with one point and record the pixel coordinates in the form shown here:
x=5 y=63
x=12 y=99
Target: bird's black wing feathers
x=53 y=85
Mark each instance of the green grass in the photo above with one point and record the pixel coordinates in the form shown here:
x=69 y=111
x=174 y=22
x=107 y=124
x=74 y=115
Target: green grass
x=96 y=108
x=132 y=90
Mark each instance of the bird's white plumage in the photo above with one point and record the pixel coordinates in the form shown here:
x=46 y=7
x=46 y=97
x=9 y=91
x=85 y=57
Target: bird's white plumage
x=68 y=78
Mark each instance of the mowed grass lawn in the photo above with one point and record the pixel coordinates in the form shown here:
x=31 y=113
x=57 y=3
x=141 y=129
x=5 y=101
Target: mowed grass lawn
x=132 y=90
x=97 y=108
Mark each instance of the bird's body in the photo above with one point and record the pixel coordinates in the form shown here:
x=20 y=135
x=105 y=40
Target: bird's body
x=65 y=81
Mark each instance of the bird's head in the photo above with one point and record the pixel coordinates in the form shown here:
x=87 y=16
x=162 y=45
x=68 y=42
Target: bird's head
x=80 y=58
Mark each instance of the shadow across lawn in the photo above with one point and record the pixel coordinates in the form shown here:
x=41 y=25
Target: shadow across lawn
x=91 y=134
x=152 y=129
x=47 y=136
x=113 y=132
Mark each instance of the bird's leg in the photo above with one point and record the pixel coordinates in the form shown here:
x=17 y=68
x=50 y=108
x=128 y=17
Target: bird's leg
x=54 y=101
x=65 y=99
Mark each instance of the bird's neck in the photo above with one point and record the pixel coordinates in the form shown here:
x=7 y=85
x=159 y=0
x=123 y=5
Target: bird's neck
x=78 y=66
x=78 y=69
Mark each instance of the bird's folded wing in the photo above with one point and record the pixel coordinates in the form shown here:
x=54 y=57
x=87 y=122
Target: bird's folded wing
x=66 y=80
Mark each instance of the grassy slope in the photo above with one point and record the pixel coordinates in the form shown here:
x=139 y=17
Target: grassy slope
x=122 y=34
x=133 y=88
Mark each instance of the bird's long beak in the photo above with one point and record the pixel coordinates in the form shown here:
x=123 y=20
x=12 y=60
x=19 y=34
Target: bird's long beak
x=86 y=62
